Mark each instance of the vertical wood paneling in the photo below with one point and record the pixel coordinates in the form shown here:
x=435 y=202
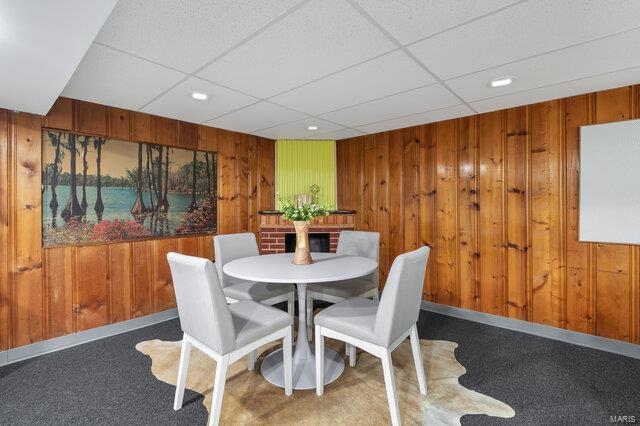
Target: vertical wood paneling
x=242 y=143
x=342 y=173
x=227 y=218
x=492 y=243
x=206 y=247
x=164 y=296
x=369 y=187
x=517 y=214
x=119 y=123
x=142 y=127
x=497 y=200
x=60 y=115
x=91 y=118
x=468 y=205
x=91 y=287
x=396 y=216
x=142 y=278
x=613 y=263
x=4 y=230
x=188 y=136
x=446 y=242
x=165 y=131
x=410 y=188
x=120 y=282
x=428 y=195
x=381 y=147
x=580 y=285
x=356 y=166
x=27 y=294
x=546 y=223
x=60 y=277
x=189 y=246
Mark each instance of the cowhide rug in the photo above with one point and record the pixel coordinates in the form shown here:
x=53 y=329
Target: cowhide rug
x=357 y=397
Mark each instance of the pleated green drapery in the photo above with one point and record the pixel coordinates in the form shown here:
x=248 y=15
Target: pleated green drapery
x=302 y=163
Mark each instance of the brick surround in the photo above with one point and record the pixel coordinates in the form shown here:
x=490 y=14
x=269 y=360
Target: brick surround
x=273 y=228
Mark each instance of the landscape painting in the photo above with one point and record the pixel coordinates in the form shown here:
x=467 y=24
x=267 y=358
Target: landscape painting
x=102 y=190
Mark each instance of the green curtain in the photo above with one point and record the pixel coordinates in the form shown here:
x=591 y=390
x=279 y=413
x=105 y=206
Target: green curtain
x=302 y=163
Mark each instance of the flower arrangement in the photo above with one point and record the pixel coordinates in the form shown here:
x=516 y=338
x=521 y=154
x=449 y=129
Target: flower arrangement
x=304 y=212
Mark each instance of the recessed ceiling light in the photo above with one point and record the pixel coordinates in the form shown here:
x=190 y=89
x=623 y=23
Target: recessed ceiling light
x=312 y=127
x=200 y=96
x=501 y=82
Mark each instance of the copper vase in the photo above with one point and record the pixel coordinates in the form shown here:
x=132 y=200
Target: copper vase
x=302 y=255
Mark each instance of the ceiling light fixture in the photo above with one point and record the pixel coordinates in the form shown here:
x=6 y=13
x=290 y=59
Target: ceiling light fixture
x=312 y=127
x=199 y=96
x=501 y=82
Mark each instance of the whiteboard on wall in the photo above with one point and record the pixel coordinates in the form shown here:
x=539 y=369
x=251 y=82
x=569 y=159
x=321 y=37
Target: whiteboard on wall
x=610 y=183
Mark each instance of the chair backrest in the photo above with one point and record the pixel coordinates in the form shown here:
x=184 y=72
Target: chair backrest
x=202 y=306
x=232 y=247
x=400 y=302
x=361 y=243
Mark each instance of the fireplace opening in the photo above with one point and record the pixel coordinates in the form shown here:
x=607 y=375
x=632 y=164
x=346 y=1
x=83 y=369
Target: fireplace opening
x=318 y=242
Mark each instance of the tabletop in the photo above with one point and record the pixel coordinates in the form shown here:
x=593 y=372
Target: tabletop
x=277 y=268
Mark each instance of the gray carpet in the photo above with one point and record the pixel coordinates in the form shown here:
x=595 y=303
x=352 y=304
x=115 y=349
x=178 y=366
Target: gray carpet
x=109 y=381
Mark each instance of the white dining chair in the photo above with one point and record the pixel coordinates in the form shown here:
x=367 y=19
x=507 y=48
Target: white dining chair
x=231 y=247
x=355 y=243
x=224 y=332
x=379 y=327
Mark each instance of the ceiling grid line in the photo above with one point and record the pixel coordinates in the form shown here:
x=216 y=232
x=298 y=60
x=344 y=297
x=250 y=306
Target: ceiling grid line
x=232 y=48
x=394 y=40
x=547 y=52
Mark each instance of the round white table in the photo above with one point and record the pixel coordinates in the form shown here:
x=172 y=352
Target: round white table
x=277 y=268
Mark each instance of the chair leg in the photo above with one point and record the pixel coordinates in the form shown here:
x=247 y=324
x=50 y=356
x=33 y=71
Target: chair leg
x=218 y=390
x=182 y=373
x=390 y=384
x=417 y=359
x=251 y=360
x=319 y=361
x=352 y=355
x=288 y=363
x=309 y=318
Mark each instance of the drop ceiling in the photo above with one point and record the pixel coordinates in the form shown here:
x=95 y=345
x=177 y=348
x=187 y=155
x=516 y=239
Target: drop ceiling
x=41 y=44
x=352 y=67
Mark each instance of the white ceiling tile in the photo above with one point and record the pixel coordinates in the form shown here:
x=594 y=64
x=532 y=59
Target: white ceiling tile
x=299 y=129
x=320 y=38
x=41 y=44
x=341 y=134
x=392 y=73
x=186 y=34
x=411 y=20
x=527 y=29
x=604 y=55
x=178 y=103
x=561 y=90
x=422 y=99
x=109 y=77
x=417 y=119
x=255 y=117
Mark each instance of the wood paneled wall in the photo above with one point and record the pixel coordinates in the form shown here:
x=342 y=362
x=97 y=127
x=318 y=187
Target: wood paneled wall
x=46 y=293
x=496 y=197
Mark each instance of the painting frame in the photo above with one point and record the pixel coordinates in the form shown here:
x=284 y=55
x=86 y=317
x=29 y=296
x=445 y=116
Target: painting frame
x=113 y=190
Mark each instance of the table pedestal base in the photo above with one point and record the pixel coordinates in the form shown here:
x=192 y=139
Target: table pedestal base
x=304 y=369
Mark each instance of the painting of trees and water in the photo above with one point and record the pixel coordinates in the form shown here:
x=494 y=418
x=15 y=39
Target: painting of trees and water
x=100 y=190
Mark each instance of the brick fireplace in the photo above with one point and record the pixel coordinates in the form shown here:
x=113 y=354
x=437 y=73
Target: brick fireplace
x=273 y=229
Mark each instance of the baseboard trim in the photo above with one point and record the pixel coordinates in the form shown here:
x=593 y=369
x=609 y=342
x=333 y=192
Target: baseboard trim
x=29 y=351
x=581 y=339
